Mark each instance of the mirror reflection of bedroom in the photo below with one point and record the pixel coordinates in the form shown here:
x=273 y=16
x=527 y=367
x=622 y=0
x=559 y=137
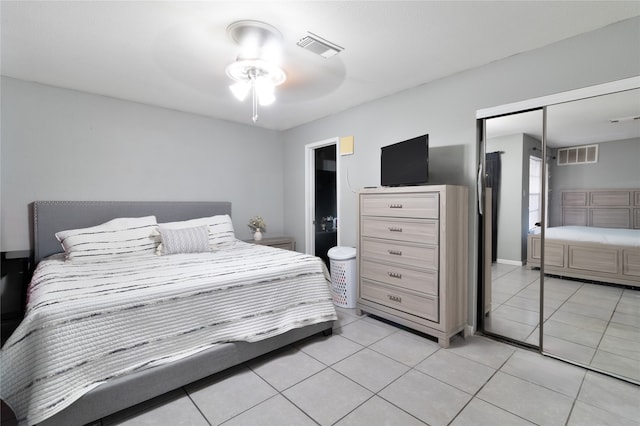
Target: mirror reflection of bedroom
x=513 y=144
x=589 y=199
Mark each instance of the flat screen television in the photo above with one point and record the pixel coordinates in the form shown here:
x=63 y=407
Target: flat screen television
x=405 y=163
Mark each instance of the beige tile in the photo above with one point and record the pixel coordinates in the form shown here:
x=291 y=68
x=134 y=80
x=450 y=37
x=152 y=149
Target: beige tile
x=600 y=312
x=377 y=411
x=363 y=332
x=480 y=413
x=226 y=395
x=623 y=331
x=612 y=395
x=405 y=347
x=568 y=350
x=550 y=373
x=498 y=324
x=517 y=313
x=327 y=396
x=456 y=370
x=616 y=364
x=174 y=408
x=584 y=414
x=482 y=350
x=286 y=367
x=370 y=369
x=581 y=320
x=331 y=349
x=570 y=333
x=426 y=398
x=631 y=319
x=624 y=347
x=275 y=411
x=527 y=400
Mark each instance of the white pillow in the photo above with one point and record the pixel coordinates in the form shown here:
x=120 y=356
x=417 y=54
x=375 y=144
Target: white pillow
x=118 y=237
x=220 y=228
x=185 y=240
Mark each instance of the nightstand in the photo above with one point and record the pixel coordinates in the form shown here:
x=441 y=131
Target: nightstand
x=15 y=269
x=286 y=243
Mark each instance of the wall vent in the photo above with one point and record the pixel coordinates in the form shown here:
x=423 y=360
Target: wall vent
x=584 y=154
x=319 y=46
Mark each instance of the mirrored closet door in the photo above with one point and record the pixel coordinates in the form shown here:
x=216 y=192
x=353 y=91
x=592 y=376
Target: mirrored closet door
x=562 y=273
x=512 y=209
x=592 y=239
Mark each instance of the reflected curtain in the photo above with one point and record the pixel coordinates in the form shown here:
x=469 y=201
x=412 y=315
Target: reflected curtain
x=493 y=175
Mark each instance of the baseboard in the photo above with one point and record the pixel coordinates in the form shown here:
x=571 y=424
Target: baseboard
x=510 y=262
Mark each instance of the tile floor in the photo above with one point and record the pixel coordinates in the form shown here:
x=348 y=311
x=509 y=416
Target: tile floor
x=372 y=373
x=592 y=324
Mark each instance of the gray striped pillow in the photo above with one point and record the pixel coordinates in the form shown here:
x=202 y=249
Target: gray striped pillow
x=220 y=229
x=118 y=237
x=185 y=240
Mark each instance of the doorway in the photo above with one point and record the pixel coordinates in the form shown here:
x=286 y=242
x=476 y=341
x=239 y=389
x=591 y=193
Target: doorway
x=322 y=198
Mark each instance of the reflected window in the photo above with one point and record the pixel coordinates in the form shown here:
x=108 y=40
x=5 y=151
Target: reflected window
x=535 y=192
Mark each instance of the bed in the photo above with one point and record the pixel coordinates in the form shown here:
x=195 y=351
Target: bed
x=599 y=238
x=102 y=334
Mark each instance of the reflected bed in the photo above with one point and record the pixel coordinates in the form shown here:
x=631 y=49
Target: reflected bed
x=600 y=240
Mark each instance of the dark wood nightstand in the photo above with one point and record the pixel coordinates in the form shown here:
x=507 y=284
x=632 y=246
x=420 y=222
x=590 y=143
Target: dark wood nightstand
x=286 y=243
x=15 y=269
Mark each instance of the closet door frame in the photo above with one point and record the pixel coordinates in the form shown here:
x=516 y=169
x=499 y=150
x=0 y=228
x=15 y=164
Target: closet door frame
x=513 y=108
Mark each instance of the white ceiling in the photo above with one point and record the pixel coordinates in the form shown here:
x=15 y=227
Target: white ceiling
x=173 y=53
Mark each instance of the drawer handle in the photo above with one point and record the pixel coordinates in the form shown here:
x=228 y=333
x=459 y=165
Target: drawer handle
x=395 y=298
x=395 y=275
x=392 y=229
x=395 y=252
x=395 y=206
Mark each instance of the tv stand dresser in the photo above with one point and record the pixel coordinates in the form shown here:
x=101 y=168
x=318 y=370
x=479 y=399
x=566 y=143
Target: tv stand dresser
x=412 y=257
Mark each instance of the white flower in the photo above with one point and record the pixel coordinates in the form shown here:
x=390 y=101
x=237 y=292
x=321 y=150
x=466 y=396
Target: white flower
x=257 y=223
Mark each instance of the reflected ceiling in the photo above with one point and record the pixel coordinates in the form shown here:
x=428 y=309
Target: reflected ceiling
x=579 y=122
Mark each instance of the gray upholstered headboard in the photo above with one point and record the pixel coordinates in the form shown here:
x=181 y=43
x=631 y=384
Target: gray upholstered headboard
x=50 y=217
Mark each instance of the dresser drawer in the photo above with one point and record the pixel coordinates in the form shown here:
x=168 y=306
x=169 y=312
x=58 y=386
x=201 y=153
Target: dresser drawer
x=420 y=305
x=420 y=256
x=410 y=230
x=423 y=281
x=423 y=205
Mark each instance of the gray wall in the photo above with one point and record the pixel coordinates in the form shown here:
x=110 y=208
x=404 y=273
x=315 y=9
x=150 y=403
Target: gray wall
x=67 y=145
x=446 y=110
x=618 y=166
x=510 y=198
x=62 y=144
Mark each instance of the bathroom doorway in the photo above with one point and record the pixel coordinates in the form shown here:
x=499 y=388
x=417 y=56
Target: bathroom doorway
x=322 y=198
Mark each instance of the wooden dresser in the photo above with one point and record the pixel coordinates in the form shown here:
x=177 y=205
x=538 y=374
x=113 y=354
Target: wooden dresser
x=412 y=257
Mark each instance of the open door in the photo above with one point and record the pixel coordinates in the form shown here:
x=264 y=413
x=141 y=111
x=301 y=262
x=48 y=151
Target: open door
x=322 y=198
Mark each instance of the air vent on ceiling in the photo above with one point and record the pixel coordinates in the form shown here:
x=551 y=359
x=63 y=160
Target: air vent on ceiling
x=319 y=46
x=584 y=154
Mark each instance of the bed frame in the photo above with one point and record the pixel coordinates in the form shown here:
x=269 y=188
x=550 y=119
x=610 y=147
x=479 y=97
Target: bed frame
x=49 y=217
x=602 y=208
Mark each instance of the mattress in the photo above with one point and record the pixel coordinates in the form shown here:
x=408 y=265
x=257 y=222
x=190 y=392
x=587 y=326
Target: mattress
x=613 y=236
x=87 y=323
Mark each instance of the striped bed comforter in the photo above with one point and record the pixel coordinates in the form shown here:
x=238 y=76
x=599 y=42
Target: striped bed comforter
x=89 y=322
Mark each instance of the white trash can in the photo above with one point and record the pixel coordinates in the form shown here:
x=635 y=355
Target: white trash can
x=342 y=263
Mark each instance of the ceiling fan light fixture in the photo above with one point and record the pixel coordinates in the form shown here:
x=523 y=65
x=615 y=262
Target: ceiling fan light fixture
x=240 y=89
x=255 y=70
